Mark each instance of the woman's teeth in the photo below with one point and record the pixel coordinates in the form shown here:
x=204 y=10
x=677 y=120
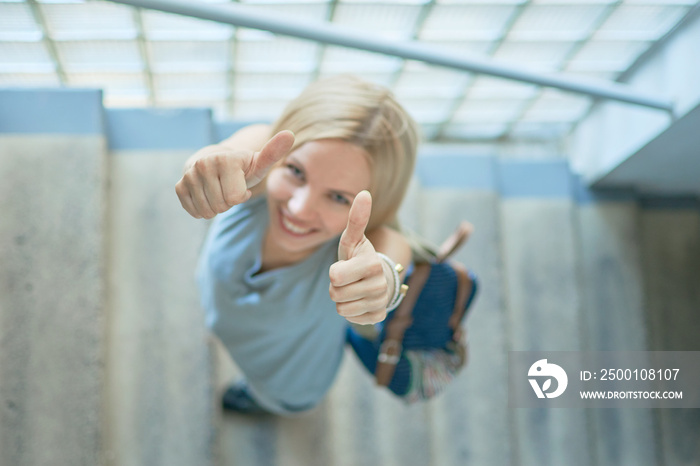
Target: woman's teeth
x=293 y=228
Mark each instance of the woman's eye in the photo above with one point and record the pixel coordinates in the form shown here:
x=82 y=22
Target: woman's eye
x=295 y=171
x=339 y=199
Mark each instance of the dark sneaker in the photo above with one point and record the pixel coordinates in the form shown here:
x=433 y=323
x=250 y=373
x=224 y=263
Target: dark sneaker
x=239 y=399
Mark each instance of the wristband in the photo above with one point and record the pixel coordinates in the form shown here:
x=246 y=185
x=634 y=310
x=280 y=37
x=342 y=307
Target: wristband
x=399 y=289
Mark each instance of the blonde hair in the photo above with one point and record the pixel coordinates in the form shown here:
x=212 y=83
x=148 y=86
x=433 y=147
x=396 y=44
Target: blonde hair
x=365 y=114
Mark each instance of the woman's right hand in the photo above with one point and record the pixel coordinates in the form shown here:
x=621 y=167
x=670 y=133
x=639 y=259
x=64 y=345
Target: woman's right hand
x=218 y=177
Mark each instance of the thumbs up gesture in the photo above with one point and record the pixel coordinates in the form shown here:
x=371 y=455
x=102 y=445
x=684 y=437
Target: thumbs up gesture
x=359 y=285
x=220 y=176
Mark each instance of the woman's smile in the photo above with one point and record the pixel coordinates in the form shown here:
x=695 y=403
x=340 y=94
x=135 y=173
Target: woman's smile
x=292 y=228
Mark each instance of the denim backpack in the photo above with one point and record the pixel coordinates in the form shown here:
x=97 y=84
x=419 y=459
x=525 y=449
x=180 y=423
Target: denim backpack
x=419 y=348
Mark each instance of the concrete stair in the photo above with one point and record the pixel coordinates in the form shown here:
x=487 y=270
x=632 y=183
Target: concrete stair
x=104 y=358
x=159 y=373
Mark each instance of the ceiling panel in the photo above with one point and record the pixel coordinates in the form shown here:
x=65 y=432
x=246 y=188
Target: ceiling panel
x=191 y=83
x=308 y=12
x=100 y=55
x=186 y=55
x=93 y=20
x=148 y=58
x=661 y=2
x=257 y=110
x=575 y=2
x=269 y=53
x=474 y=131
x=383 y=79
x=534 y=130
x=277 y=2
x=462 y=47
x=466 y=22
x=62 y=2
x=389 y=2
x=270 y=85
x=489 y=110
x=543 y=56
x=556 y=22
x=607 y=55
x=639 y=22
x=487 y=87
x=17 y=23
x=25 y=57
x=29 y=79
x=382 y=20
x=481 y=2
x=595 y=76
x=427 y=110
x=555 y=106
x=420 y=80
x=127 y=85
x=164 y=26
x=345 y=60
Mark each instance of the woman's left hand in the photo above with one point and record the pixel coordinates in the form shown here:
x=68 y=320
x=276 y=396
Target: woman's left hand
x=359 y=285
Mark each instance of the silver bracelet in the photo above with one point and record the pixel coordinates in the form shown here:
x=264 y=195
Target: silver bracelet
x=399 y=289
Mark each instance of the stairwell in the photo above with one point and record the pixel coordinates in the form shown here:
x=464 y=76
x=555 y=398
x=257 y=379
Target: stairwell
x=105 y=360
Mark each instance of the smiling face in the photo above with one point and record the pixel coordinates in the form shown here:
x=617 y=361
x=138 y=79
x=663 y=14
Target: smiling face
x=310 y=194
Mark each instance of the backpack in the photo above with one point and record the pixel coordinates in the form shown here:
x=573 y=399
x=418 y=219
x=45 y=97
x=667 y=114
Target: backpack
x=418 y=350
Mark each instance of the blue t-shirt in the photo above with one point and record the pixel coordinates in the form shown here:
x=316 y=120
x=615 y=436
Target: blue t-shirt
x=280 y=326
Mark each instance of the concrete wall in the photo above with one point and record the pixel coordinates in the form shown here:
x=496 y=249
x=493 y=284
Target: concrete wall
x=53 y=159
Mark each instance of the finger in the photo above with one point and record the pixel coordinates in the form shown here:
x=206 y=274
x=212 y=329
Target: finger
x=352 y=270
x=183 y=195
x=195 y=192
x=188 y=205
x=357 y=223
x=360 y=306
x=273 y=151
x=215 y=198
x=201 y=203
x=371 y=289
x=233 y=186
x=368 y=318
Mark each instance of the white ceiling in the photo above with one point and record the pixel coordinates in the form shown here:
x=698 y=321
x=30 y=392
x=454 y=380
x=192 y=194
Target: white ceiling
x=145 y=58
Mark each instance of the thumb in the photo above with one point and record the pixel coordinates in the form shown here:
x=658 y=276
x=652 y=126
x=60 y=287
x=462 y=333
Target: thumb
x=277 y=147
x=357 y=223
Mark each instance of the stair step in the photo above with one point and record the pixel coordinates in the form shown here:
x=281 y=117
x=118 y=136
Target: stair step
x=613 y=315
x=463 y=430
x=543 y=298
x=159 y=405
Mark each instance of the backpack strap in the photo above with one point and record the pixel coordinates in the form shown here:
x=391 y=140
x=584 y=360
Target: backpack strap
x=391 y=347
x=455 y=241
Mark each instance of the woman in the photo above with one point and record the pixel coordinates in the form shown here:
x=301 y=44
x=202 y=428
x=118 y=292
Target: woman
x=304 y=242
